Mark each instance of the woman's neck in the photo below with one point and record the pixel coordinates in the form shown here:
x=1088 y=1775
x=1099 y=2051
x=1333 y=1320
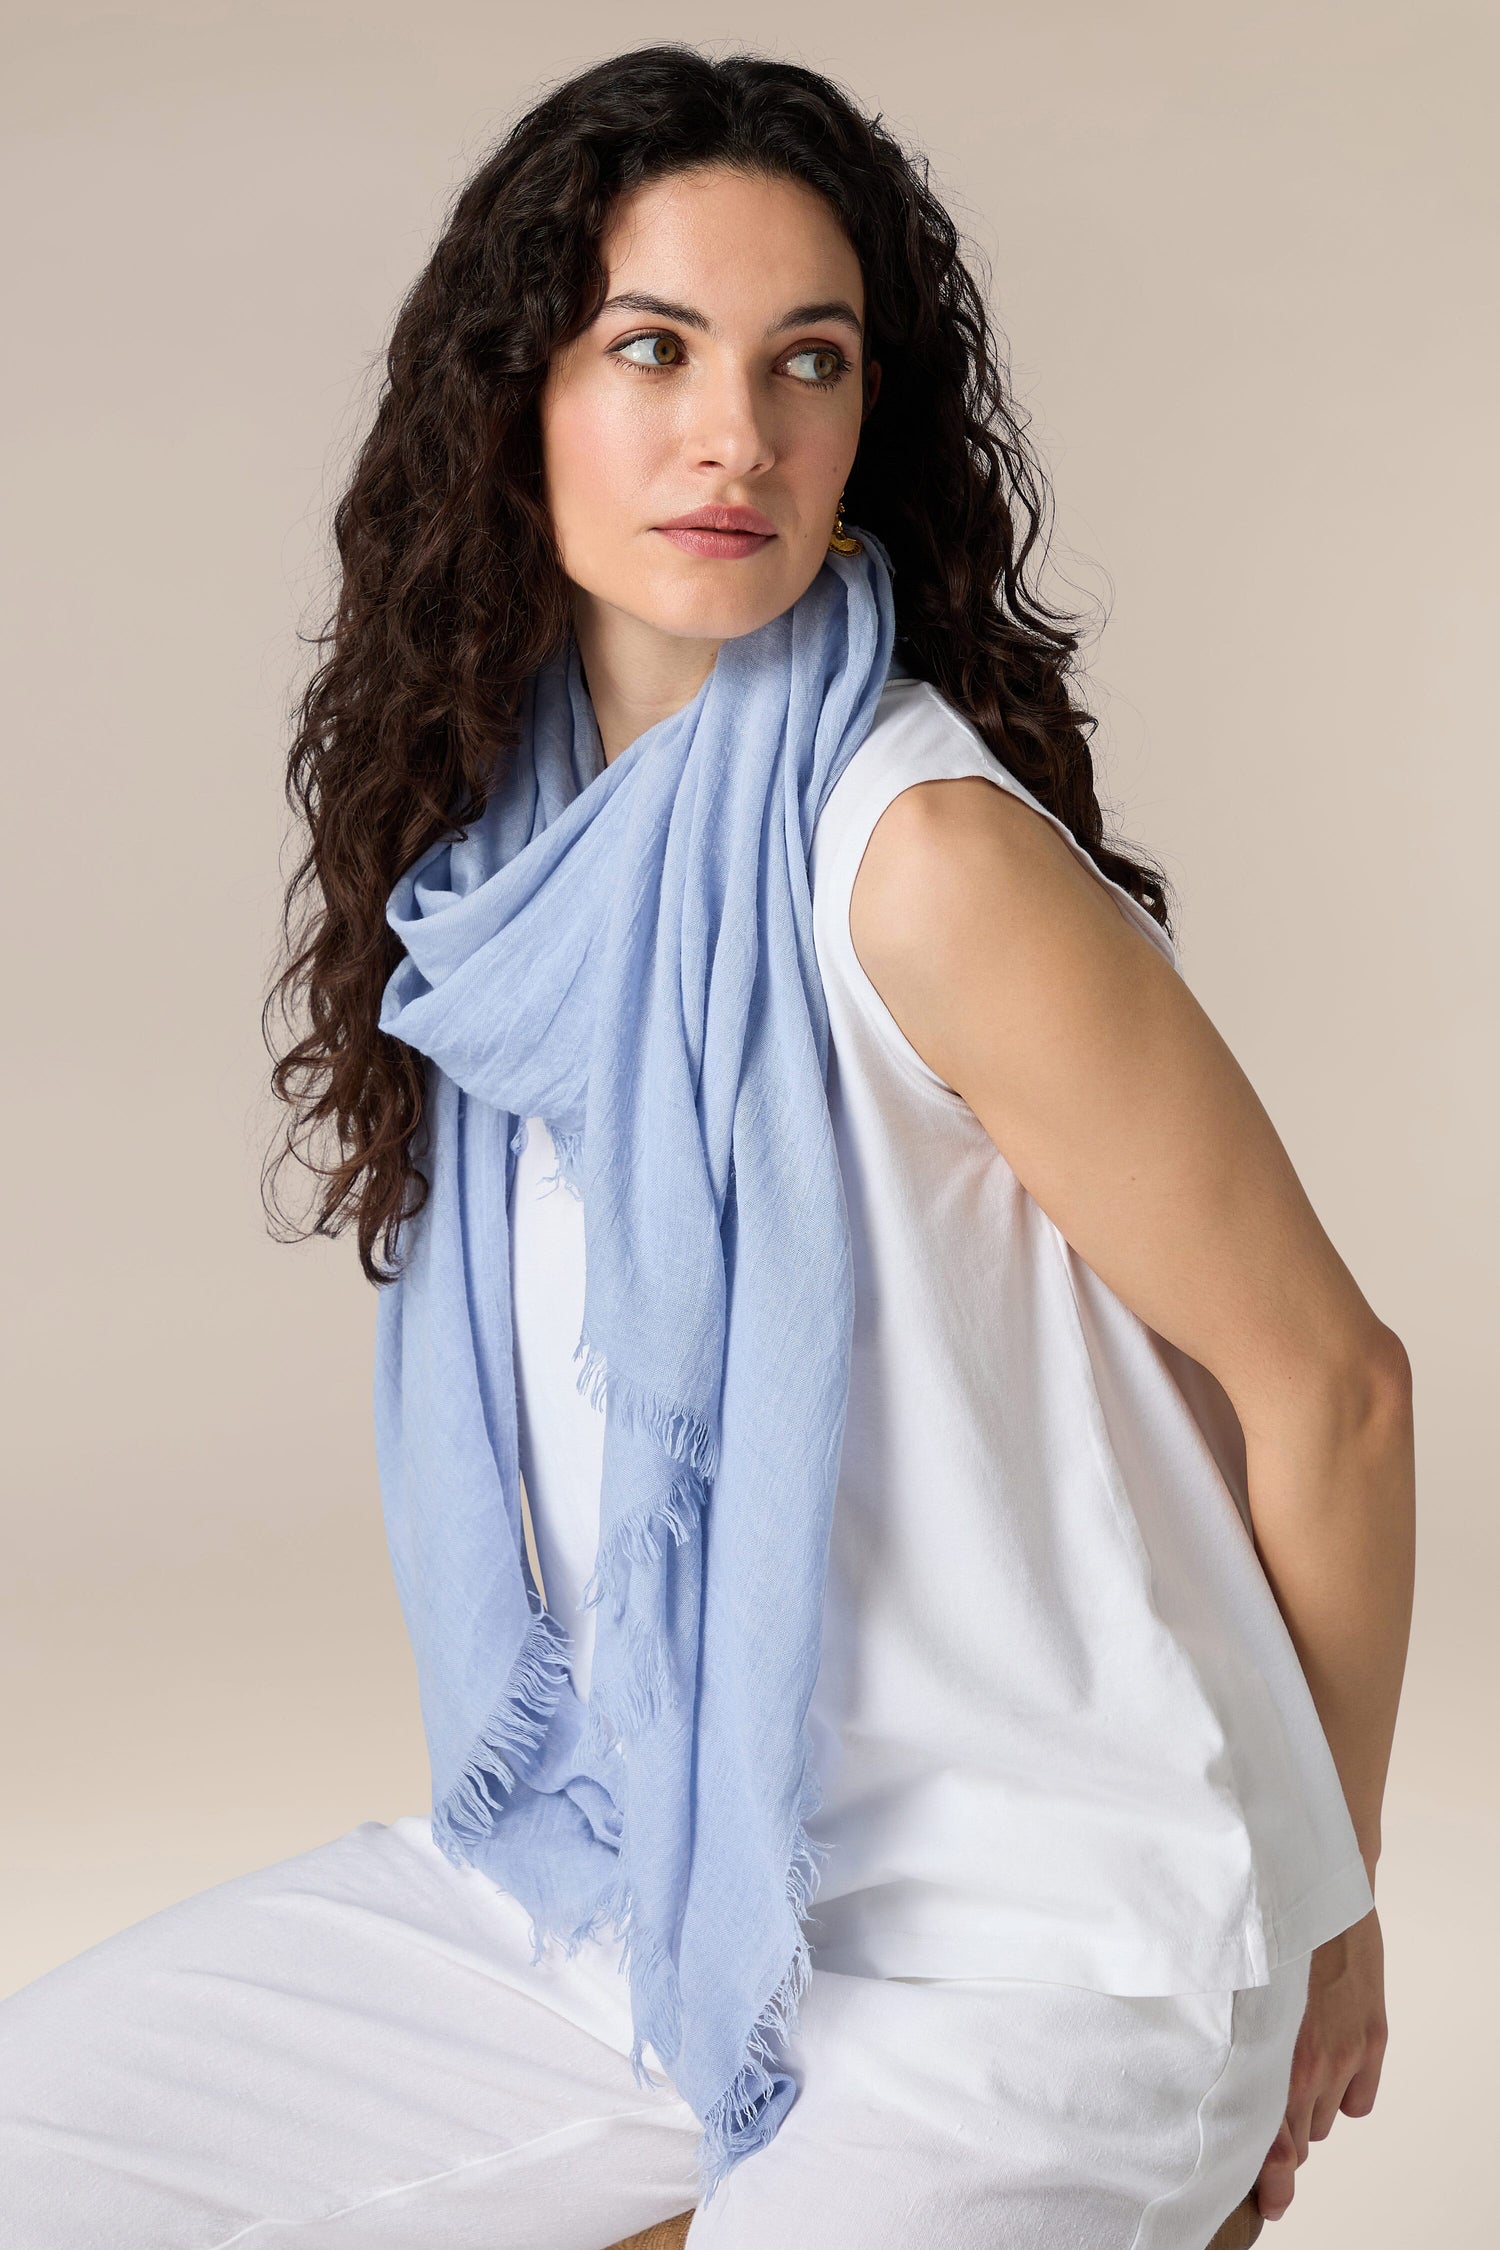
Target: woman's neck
x=636 y=674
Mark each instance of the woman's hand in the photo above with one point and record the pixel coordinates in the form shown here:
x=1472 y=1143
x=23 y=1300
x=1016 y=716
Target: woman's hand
x=1337 y=2058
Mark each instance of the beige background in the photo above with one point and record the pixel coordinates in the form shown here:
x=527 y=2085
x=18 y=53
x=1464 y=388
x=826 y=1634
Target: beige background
x=1241 y=253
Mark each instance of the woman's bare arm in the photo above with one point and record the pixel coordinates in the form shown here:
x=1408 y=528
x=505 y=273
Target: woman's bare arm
x=1017 y=978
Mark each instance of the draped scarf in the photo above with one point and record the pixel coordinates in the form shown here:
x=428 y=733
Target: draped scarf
x=625 y=950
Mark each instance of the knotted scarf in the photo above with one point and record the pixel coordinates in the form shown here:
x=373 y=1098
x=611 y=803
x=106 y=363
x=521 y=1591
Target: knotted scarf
x=625 y=950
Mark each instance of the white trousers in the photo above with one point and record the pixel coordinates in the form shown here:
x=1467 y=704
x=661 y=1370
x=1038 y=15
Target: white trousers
x=350 y=2050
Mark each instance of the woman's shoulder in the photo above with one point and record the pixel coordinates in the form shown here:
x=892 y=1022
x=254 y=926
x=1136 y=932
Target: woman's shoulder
x=915 y=735
x=918 y=735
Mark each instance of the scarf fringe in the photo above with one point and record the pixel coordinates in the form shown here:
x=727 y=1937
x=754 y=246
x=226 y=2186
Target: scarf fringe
x=508 y=1741
x=569 y=1147
x=639 y=1538
x=647 y=1693
x=467 y=1814
x=738 y=2124
x=682 y=1435
x=641 y=1957
x=661 y=2003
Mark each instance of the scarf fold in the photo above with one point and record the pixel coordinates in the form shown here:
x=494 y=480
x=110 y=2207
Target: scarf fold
x=626 y=951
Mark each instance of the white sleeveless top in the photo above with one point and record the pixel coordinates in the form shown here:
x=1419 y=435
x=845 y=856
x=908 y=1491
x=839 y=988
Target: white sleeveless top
x=1061 y=1727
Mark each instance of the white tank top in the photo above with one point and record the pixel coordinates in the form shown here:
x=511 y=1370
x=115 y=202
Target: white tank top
x=1061 y=1728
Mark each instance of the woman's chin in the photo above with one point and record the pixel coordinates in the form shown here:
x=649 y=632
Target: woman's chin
x=714 y=611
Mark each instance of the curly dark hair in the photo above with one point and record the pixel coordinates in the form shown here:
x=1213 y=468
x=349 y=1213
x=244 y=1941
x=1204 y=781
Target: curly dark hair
x=452 y=590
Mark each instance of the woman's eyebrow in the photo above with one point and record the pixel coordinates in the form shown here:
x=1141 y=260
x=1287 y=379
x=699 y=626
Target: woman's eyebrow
x=640 y=300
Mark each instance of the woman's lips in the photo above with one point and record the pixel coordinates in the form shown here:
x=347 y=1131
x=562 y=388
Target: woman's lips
x=698 y=539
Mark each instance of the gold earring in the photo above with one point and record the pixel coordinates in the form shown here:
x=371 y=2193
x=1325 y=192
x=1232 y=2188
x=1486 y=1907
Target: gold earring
x=840 y=541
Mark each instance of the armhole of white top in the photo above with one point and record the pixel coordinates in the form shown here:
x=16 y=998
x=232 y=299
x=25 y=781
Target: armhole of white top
x=949 y=749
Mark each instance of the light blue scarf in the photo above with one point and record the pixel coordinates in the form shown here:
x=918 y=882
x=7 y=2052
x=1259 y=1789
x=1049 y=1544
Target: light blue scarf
x=626 y=950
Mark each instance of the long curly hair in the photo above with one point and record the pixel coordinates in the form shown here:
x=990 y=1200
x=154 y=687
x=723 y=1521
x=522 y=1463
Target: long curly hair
x=452 y=592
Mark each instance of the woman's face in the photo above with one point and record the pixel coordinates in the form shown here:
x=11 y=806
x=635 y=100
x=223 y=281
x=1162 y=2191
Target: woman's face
x=723 y=374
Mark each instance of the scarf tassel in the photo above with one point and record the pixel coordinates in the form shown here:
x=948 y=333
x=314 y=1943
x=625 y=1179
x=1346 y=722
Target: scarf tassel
x=681 y=1434
x=640 y=1538
x=502 y=1754
x=740 y=2121
x=509 y=1739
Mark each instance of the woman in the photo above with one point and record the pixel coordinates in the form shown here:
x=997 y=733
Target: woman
x=954 y=1675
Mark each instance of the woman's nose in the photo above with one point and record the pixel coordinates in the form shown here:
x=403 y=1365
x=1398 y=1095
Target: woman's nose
x=731 y=424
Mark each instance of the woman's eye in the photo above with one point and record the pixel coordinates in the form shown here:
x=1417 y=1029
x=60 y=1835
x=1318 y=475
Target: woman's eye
x=817 y=366
x=828 y=366
x=656 y=348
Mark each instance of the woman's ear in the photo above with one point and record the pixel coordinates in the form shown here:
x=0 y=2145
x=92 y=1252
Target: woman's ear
x=872 y=386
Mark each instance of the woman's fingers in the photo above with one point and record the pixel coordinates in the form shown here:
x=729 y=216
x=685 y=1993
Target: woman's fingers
x=1325 y=2110
x=1337 y=2059
x=1275 y=2186
x=1319 y=2091
x=1359 y=2099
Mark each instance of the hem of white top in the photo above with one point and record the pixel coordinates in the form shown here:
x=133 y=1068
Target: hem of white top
x=1246 y=1959
x=1041 y=1959
x=1324 y=1912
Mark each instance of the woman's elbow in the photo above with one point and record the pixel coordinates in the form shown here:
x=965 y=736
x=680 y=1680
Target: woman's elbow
x=1387 y=1379
x=1367 y=1403
x=1344 y=1392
